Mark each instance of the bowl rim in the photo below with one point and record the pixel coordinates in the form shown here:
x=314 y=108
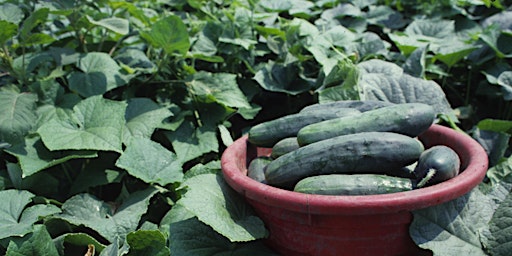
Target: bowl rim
x=476 y=165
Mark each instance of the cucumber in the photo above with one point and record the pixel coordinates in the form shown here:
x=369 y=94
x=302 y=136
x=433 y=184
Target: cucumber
x=361 y=105
x=256 y=168
x=353 y=184
x=437 y=164
x=267 y=134
x=354 y=153
x=410 y=119
x=284 y=146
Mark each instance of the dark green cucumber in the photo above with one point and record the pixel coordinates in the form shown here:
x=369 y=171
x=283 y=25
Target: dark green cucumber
x=361 y=105
x=256 y=168
x=267 y=134
x=284 y=146
x=437 y=164
x=354 y=153
x=407 y=118
x=353 y=184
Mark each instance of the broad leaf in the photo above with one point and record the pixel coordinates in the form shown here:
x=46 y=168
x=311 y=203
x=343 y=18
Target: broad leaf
x=211 y=199
x=118 y=25
x=76 y=239
x=33 y=156
x=143 y=116
x=453 y=227
x=170 y=34
x=98 y=74
x=95 y=124
x=190 y=142
x=11 y=13
x=218 y=87
x=147 y=242
x=381 y=81
x=189 y=236
x=282 y=78
x=150 y=162
x=16 y=219
x=505 y=81
x=7 y=32
x=37 y=243
x=112 y=224
x=500 y=227
x=494 y=143
x=17 y=115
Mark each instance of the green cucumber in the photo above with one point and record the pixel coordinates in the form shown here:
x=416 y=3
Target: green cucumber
x=361 y=105
x=437 y=164
x=410 y=119
x=354 y=153
x=353 y=184
x=256 y=168
x=267 y=134
x=284 y=146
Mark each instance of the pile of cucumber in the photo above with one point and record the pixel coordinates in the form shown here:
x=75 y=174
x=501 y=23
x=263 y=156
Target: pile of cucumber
x=351 y=148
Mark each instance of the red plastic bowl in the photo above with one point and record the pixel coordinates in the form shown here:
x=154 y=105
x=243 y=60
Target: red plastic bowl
x=304 y=224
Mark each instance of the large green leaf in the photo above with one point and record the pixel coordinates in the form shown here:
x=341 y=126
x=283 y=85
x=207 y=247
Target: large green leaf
x=16 y=219
x=143 y=116
x=219 y=87
x=111 y=223
x=7 y=32
x=386 y=81
x=189 y=236
x=170 y=34
x=17 y=115
x=500 y=227
x=190 y=142
x=98 y=74
x=11 y=13
x=277 y=77
x=147 y=242
x=95 y=124
x=150 y=162
x=211 y=199
x=454 y=227
x=37 y=243
x=33 y=156
x=118 y=25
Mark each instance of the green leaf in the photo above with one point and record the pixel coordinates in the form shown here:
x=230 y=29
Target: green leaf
x=494 y=143
x=501 y=172
x=453 y=227
x=11 y=13
x=415 y=65
x=38 y=243
x=118 y=25
x=277 y=77
x=95 y=124
x=341 y=83
x=190 y=142
x=76 y=239
x=147 y=242
x=495 y=125
x=98 y=74
x=34 y=19
x=211 y=199
x=170 y=34
x=386 y=81
x=143 y=116
x=505 y=81
x=218 y=87
x=189 y=236
x=150 y=162
x=8 y=31
x=17 y=115
x=33 y=156
x=451 y=52
x=112 y=224
x=500 y=227
x=16 y=219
